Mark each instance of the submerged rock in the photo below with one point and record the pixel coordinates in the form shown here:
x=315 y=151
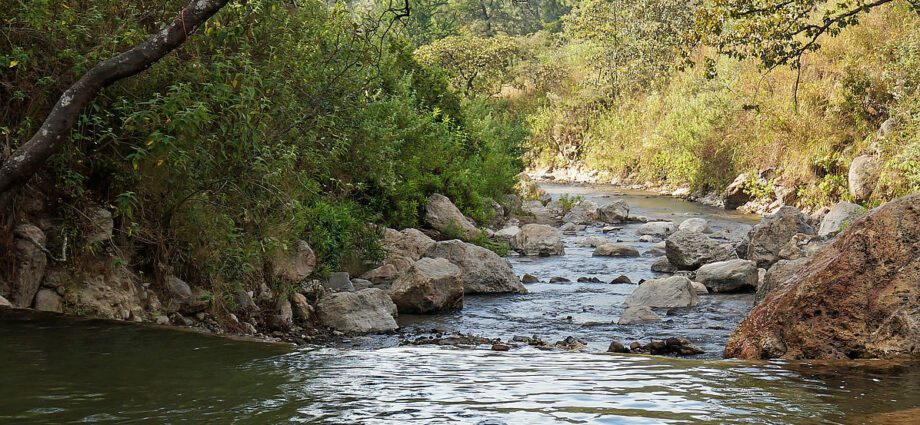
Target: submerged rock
x=856 y=298
x=637 y=314
x=670 y=346
x=538 y=240
x=617 y=347
x=482 y=271
x=671 y=292
x=529 y=278
x=370 y=310
x=621 y=279
x=430 y=285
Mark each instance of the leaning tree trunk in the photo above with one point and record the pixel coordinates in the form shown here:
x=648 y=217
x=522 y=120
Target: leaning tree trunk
x=29 y=158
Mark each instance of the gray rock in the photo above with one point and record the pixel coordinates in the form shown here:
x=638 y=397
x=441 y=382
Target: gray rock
x=482 y=271
x=284 y=314
x=660 y=229
x=728 y=276
x=360 y=284
x=637 y=314
x=430 y=285
x=382 y=275
x=662 y=265
x=369 y=310
x=538 y=240
x=734 y=195
x=840 y=217
x=699 y=288
x=615 y=250
x=689 y=250
x=617 y=347
x=863 y=176
x=340 y=281
x=29 y=264
x=529 y=278
x=100 y=226
x=695 y=225
x=244 y=301
x=507 y=233
x=584 y=212
x=615 y=212
x=773 y=232
x=49 y=300
x=5 y=303
x=303 y=311
x=177 y=288
x=592 y=241
x=295 y=264
x=442 y=215
x=782 y=273
x=672 y=292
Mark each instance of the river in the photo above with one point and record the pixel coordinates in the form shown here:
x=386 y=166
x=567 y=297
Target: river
x=59 y=370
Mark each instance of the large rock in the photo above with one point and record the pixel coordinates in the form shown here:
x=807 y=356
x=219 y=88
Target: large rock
x=430 y=285
x=734 y=195
x=482 y=271
x=856 y=298
x=382 y=275
x=728 y=276
x=29 y=265
x=863 y=176
x=637 y=314
x=507 y=234
x=778 y=275
x=695 y=225
x=538 y=240
x=402 y=249
x=442 y=215
x=675 y=291
x=773 y=232
x=183 y=298
x=662 y=265
x=339 y=282
x=615 y=250
x=688 y=250
x=295 y=264
x=614 y=212
x=839 y=218
x=370 y=310
x=660 y=229
x=49 y=300
x=584 y=212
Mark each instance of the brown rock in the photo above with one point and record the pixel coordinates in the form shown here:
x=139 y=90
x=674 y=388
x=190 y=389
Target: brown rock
x=856 y=298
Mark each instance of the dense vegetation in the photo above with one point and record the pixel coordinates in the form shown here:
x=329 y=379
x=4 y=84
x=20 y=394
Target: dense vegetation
x=287 y=120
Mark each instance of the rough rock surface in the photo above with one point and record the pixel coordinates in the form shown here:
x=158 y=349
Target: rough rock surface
x=294 y=265
x=49 y=300
x=662 y=265
x=778 y=275
x=100 y=226
x=773 y=232
x=675 y=291
x=403 y=248
x=637 y=314
x=584 y=212
x=728 y=276
x=695 y=225
x=29 y=262
x=430 y=285
x=734 y=195
x=660 y=229
x=615 y=250
x=370 y=310
x=538 y=240
x=339 y=281
x=688 y=250
x=856 y=298
x=840 y=217
x=482 y=271
x=614 y=212
x=442 y=215
x=863 y=176
x=507 y=233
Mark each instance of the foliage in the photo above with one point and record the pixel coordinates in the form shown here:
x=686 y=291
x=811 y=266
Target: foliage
x=476 y=65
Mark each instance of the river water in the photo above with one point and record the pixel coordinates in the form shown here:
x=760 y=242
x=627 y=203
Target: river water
x=57 y=370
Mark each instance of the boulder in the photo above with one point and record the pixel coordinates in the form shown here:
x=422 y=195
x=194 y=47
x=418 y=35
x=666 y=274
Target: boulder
x=689 y=250
x=584 y=212
x=442 y=215
x=370 y=310
x=637 y=314
x=699 y=288
x=695 y=225
x=100 y=225
x=840 y=217
x=728 y=276
x=660 y=229
x=675 y=291
x=482 y=271
x=360 y=284
x=303 y=311
x=863 y=176
x=615 y=250
x=430 y=285
x=29 y=262
x=592 y=241
x=284 y=315
x=734 y=195
x=538 y=240
x=49 y=300
x=856 y=298
x=507 y=233
x=778 y=275
x=773 y=232
x=293 y=265
x=621 y=279
x=339 y=281
x=181 y=297
x=662 y=265
x=529 y=278
x=614 y=212
x=382 y=275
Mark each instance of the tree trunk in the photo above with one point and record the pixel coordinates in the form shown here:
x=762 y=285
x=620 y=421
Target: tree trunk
x=31 y=156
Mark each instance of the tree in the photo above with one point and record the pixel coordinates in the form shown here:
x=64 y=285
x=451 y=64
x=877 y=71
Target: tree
x=475 y=64
x=26 y=160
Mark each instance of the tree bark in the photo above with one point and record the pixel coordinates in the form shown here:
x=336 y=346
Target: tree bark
x=31 y=156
